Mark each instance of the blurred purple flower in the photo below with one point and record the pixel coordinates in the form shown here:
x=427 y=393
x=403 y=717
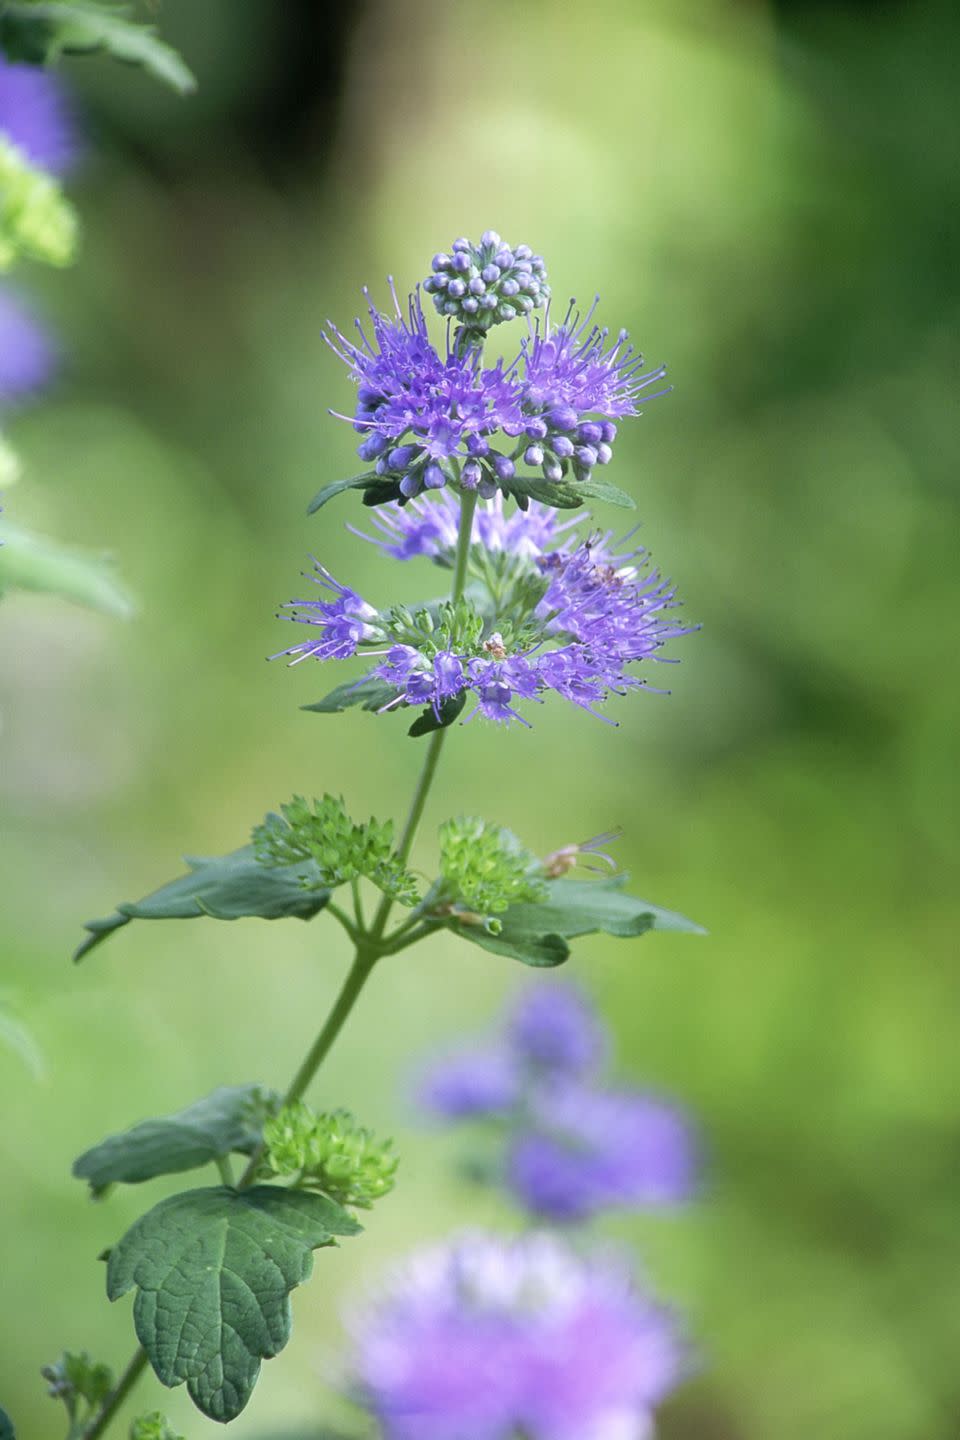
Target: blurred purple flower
x=556 y=1031
x=471 y=1085
x=35 y=116
x=591 y=1150
x=28 y=354
x=488 y=1339
x=428 y=527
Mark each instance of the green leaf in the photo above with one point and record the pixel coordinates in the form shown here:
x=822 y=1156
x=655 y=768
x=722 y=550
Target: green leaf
x=34 y=562
x=7 y=1431
x=561 y=494
x=596 y=488
x=541 y=951
x=227 y=887
x=536 y=932
x=227 y=1120
x=213 y=1270
x=40 y=32
x=427 y=722
x=583 y=907
x=370 y=693
x=36 y=220
x=337 y=487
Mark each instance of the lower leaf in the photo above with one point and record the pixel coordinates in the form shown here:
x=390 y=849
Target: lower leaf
x=213 y=1270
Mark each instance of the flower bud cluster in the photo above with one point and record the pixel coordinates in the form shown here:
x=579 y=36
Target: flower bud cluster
x=77 y=1379
x=154 y=1426
x=483 y=285
x=485 y=869
x=330 y=1153
x=332 y=848
x=36 y=221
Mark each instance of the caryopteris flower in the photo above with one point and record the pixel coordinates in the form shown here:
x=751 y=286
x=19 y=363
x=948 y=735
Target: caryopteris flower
x=28 y=355
x=425 y=419
x=486 y=284
x=489 y=1339
x=547 y=611
x=35 y=116
x=584 y=1150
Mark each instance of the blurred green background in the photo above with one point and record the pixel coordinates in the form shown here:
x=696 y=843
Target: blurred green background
x=766 y=195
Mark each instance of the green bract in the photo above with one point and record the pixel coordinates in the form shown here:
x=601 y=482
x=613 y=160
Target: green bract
x=213 y=1270
x=36 y=221
x=485 y=868
x=331 y=849
x=229 y=1120
x=80 y=1382
x=330 y=1153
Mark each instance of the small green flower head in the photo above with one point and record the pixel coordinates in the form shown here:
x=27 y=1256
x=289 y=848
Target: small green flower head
x=321 y=836
x=485 y=868
x=74 y=1378
x=330 y=1153
x=154 y=1426
x=36 y=221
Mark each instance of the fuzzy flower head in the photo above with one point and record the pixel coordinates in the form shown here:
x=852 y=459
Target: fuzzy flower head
x=488 y=1339
x=423 y=416
x=28 y=354
x=551 y=613
x=35 y=116
x=482 y=285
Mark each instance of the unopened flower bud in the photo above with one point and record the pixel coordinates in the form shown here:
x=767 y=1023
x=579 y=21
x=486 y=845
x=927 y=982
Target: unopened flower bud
x=533 y=455
x=504 y=467
x=561 y=417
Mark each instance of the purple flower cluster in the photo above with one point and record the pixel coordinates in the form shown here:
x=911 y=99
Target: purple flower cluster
x=35 y=117
x=429 y=419
x=573 y=1147
x=490 y=1339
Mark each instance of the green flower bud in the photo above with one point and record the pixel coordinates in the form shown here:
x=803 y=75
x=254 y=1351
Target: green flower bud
x=485 y=868
x=330 y=1153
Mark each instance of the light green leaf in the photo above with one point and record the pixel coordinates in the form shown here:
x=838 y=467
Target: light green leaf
x=213 y=1270
x=227 y=1120
x=227 y=887
x=370 y=693
x=40 y=32
x=34 y=562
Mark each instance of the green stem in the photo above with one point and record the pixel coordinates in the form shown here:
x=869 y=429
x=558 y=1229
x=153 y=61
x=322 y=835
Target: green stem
x=226 y=1170
x=117 y=1396
x=468 y=505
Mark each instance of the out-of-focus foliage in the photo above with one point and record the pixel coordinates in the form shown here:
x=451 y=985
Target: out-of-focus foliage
x=764 y=196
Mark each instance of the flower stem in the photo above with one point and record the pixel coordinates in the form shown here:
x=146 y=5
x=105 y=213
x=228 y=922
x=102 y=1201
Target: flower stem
x=468 y=505
x=117 y=1396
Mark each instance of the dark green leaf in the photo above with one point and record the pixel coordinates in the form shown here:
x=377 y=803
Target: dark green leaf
x=449 y=712
x=214 y=1270
x=227 y=887
x=561 y=494
x=229 y=1119
x=337 y=487
x=40 y=32
x=370 y=693
x=538 y=950
x=382 y=493
x=582 y=907
x=7 y=1431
